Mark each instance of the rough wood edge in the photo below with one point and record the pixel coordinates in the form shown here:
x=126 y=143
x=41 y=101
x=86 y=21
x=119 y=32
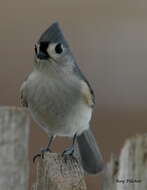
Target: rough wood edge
x=14 y=134
x=129 y=172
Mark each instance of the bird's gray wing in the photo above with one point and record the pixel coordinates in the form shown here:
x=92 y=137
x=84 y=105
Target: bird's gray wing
x=23 y=100
x=87 y=90
x=22 y=97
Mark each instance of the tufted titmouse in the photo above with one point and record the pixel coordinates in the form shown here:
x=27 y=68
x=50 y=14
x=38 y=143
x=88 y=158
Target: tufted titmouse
x=60 y=98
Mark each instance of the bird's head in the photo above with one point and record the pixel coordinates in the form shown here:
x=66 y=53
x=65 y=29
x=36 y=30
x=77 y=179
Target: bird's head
x=52 y=48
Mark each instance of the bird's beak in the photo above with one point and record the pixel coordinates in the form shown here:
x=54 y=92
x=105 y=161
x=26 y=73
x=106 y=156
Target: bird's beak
x=42 y=55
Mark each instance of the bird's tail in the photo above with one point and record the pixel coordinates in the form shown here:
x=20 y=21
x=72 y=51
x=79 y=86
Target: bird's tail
x=91 y=157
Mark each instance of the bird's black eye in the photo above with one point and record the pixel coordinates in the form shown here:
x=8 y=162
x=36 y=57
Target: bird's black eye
x=59 y=48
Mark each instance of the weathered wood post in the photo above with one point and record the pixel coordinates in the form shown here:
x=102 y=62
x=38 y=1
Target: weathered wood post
x=53 y=173
x=14 y=129
x=129 y=172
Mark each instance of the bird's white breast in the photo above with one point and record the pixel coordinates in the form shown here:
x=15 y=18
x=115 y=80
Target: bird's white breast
x=57 y=105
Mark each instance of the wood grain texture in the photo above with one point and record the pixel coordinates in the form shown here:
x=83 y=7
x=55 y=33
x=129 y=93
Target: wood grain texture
x=14 y=132
x=53 y=173
x=130 y=171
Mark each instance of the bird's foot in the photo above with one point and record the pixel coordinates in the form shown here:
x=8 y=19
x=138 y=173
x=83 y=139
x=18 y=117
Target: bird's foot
x=68 y=153
x=41 y=154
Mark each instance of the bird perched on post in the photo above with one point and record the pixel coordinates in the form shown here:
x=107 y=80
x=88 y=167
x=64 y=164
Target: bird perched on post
x=60 y=98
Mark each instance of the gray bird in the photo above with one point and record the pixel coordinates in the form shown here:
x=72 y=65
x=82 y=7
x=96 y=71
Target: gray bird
x=60 y=98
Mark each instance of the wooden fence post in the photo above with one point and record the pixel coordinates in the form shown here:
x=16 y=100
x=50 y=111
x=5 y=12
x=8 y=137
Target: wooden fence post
x=53 y=173
x=129 y=172
x=14 y=129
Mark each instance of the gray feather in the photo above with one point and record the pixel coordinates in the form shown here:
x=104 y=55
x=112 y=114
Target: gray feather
x=53 y=35
x=91 y=157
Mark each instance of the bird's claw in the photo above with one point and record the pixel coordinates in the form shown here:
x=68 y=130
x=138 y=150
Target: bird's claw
x=69 y=154
x=41 y=154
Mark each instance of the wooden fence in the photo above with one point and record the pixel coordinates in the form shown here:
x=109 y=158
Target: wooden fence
x=128 y=172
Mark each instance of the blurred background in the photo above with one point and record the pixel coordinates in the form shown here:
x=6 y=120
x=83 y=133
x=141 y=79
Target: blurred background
x=109 y=40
